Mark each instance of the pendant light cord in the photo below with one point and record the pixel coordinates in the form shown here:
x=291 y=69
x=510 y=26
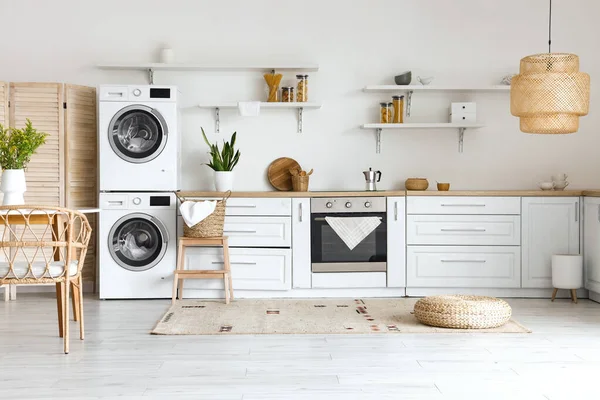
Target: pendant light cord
x=550 y=29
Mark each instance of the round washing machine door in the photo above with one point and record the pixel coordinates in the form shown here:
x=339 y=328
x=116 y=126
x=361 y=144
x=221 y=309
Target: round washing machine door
x=137 y=242
x=137 y=133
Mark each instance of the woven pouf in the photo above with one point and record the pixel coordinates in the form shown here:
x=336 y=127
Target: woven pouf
x=463 y=312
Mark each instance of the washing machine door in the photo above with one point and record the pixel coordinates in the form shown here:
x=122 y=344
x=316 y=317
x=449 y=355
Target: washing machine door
x=137 y=242
x=137 y=133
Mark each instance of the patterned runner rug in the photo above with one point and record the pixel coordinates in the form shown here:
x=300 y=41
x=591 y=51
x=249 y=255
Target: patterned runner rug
x=302 y=316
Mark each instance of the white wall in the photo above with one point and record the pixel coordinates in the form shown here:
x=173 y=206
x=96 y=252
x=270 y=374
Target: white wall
x=356 y=43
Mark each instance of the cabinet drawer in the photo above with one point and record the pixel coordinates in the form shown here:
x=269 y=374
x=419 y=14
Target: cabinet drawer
x=462 y=205
x=463 y=266
x=492 y=230
x=251 y=269
x=250 y=206
x=258 y=232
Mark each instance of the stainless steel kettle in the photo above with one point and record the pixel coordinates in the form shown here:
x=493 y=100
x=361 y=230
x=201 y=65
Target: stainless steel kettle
x=371 y=178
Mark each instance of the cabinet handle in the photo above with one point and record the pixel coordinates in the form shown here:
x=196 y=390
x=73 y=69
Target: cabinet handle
x=463 y=261
x=300 y=208
x=240 y=231
x=463 y=205
x=576 y=211
x=235 y=262
x=395 y=211
x=243 y=206
x=598 y=212
x=462 y=230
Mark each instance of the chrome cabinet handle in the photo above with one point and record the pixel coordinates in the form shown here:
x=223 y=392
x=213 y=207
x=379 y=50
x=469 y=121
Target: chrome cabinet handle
x=395 y=211
x=242 y=206
x=462 y=230
x=234 y=231
x=463 y=205
x=576 y=211
x=300 y=208
x=235 y=262
x=598 y=212
x=463 y=261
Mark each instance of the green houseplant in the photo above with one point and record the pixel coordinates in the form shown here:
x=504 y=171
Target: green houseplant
x=222 y=161
x=16 y=148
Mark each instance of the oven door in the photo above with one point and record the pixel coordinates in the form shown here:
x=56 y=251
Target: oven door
x=331 y=254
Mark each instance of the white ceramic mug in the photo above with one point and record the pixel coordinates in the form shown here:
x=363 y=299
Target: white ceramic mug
x=167 y=56
x=560 y=185
x=560 y=177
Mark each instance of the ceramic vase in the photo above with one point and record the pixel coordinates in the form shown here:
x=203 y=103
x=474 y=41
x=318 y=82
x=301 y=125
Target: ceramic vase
x=223 y=181
x=13 y=186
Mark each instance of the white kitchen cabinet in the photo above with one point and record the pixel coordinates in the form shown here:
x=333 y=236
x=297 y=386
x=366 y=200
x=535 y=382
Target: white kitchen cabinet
x=490 y=230
x=258 y=231
x=258 y=206
x=463 y=266
x=251 y=269
x=591 y=243
x=301 y=255
x=550 y=225
x=396 y=242
x=460 y=205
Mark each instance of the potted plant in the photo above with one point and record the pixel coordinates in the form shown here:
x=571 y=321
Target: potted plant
x=16 y=148
x=222 y=162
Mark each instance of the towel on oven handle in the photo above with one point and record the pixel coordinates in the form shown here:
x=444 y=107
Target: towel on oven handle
x=353 y=230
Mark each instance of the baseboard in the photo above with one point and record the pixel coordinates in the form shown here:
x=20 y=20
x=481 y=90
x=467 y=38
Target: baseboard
x=88 y=287
x=296 y=293
x=498 y=292
x=595 y=296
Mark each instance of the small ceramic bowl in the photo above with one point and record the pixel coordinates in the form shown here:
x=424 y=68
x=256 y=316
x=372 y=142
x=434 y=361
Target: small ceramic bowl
x=404 y=78
x=425 y=80
x=546 y=185
x=443 y=186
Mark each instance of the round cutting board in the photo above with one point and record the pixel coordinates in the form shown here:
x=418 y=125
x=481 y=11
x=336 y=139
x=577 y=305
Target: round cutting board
x=279 y=173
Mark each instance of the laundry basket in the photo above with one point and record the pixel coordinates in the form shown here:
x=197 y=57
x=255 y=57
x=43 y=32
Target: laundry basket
x=211 y=226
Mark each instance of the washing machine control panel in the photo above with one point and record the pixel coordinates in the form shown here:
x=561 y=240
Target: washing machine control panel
x=137 y=92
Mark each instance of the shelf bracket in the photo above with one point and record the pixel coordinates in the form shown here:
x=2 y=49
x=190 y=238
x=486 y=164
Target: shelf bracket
x=408 y=102
x=217 y=120
x=461 y=139
x=378 y=139
x=151 y=76
x=300 y=115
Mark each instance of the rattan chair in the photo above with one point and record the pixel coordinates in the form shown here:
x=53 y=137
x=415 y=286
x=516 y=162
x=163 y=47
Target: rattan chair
x=36 y=244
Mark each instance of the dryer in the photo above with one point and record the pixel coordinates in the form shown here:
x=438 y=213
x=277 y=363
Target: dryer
x=139 y=138
x=138 y=245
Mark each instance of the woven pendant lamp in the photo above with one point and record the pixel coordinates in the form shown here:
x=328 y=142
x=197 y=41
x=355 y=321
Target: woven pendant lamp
x=550 y=94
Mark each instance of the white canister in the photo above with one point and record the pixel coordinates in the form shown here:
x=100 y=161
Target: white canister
x=167 y=56
x=567 y=271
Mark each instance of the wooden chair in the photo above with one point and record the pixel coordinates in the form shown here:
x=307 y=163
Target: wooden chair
x=45 y=245
x=180 y=274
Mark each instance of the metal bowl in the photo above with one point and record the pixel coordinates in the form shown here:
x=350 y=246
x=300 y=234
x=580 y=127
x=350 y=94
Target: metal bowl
x=403 y=79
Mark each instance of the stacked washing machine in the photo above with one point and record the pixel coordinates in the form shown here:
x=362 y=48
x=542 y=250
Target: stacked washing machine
x=139 y=145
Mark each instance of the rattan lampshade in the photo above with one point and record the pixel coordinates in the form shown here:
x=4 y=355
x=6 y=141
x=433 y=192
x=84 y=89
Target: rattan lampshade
x=550 y=94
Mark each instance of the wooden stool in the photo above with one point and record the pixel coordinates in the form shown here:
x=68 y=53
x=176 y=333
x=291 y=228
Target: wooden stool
x=224 y=273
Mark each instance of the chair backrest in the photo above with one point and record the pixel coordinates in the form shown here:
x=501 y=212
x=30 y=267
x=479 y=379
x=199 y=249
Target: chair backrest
x=41 y=243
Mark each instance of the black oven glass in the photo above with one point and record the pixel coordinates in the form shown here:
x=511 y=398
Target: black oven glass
x=328 y=247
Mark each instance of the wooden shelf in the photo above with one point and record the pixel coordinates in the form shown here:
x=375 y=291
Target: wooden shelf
x=433 y=125
x=264 y=105
x=429 y=88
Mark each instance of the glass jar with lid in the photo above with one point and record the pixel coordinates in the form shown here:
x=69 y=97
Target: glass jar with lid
x=287 y=94
x=398 y=104
x=385 y=114
x=302 y=88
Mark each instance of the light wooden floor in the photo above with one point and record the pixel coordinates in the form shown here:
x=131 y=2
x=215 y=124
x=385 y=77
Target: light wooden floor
x=120 y=360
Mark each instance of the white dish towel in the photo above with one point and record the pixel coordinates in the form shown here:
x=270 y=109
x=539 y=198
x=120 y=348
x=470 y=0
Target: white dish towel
x=196 y=211
x=353 y=230
x=249 y=108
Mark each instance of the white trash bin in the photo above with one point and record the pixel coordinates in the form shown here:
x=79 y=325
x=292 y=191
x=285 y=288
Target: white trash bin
x=567 y=273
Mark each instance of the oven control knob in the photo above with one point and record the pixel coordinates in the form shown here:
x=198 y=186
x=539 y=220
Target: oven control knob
x=329 y=204
x=367 y=204
x=348 y=205
x=137 y=92
x=137 y=201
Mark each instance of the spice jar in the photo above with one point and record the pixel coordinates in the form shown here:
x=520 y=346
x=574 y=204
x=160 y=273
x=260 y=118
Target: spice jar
x=302 y=88
x=398 y=103
x=287 y=94
x=385 y=114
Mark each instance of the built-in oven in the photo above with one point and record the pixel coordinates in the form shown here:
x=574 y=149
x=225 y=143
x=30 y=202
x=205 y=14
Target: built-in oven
x=329 y=253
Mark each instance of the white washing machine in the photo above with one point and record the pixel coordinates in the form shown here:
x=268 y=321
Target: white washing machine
x=138 y=245
x=139 y=138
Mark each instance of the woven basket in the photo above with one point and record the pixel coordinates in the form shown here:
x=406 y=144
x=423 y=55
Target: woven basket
x=463 y=312
x=211 y=226
x=300 y=183
x=416 y=184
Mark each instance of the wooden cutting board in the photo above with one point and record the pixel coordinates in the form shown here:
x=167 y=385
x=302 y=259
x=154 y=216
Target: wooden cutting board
x=279 y=173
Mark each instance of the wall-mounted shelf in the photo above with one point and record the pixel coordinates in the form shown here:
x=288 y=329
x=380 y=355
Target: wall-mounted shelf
x=151 y=67
x=434 y=125
x=410 y=89
x=263 y=105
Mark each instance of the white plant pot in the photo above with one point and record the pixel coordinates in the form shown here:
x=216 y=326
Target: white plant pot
x=223 y=181
x=13 y=186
